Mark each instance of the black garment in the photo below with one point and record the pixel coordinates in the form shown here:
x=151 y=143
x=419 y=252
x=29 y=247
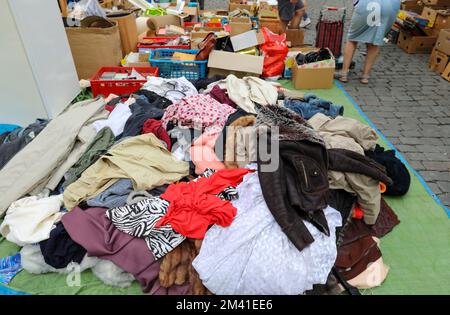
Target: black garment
x=331 y=287
x=117 y=100
x=343 y=202
x=298 y=189
x=347 y=161
x=313 y=56
x=158 y=191
x=202 y=84
x=60 y=250
x=224 y=43
x=3 y=137
x=141 y=111
x=395 y=169
x=18 y=139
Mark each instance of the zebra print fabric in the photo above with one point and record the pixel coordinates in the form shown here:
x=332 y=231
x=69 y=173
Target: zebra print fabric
x=139 y=220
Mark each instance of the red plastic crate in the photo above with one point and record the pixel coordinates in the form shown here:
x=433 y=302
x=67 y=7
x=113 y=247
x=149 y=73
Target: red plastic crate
x=147 y=47
x=119 y=87
x=187 y=24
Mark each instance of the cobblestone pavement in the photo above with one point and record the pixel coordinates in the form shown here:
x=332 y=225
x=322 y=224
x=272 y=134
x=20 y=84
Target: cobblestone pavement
x=407 y=102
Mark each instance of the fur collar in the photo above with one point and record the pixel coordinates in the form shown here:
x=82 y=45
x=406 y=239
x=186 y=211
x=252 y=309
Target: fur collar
x=292 y=126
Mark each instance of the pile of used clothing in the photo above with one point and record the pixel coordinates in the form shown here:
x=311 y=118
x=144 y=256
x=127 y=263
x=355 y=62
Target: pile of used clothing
x=219 y=186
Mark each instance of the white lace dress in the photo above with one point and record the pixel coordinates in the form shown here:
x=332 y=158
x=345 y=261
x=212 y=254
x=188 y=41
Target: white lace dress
x=254 y=256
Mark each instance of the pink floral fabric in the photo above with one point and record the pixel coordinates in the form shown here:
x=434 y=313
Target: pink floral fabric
x=200 y=112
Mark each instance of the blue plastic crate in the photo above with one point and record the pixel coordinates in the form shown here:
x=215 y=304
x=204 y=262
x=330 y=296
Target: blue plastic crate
x=192 y=70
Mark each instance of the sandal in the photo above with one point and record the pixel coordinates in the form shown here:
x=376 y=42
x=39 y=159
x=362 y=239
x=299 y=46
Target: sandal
x=342 y=76
x=365 y=79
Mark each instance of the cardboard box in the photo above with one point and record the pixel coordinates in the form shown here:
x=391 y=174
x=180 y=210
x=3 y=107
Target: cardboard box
x=240 y=25
x=251 y=8
x=443 y=41
x=432 y=32
x=436 y=2
x=224 y=73
x=317 y=78
x=236 y=62
x=203 y=28
x=247 y=40
x=438 y=61
x=442 y=20
x=430 y=13
x=136 y=60
x=413 y=6
x=295 y=37
x=446 y=73
x=274 y=25
x=416 y=44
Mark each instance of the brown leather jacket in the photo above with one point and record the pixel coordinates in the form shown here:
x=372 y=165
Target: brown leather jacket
x=298 y=189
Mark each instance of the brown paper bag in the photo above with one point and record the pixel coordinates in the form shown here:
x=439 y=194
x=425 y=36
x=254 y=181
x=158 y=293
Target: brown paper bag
x=93 y=48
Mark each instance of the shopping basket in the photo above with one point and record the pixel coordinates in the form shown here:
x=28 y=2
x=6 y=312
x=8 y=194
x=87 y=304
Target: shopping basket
x=330 y=32
x=119 y=87
x=192 y=70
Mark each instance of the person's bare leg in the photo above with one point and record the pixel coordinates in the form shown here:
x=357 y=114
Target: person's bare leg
x=349 y=52
x=295 y=22
x=372 y=54
x=284 y=26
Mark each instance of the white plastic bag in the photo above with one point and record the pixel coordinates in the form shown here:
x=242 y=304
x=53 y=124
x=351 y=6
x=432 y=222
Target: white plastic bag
x=85 y=8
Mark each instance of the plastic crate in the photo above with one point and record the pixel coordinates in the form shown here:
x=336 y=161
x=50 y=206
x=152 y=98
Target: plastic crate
x=192 y=70
x=187 y=24
x=119 y=87
x=146 y=48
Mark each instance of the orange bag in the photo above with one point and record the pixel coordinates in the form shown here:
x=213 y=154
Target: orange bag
x=274 y=50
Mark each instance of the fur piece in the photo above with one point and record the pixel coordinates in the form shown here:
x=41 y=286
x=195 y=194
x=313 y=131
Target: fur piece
x=176 y=268
x=291 y=125
x=196 y=284
x=112 y=275
x=231 y=145
x=33 y=262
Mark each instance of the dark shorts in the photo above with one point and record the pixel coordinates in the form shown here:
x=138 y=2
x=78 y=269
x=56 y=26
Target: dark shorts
x=286 y=9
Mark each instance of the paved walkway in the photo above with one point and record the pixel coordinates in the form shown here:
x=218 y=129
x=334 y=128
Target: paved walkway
x=408 y=103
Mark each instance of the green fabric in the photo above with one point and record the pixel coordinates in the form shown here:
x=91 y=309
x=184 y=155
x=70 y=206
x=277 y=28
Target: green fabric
x=101 y=143
x=417 y=250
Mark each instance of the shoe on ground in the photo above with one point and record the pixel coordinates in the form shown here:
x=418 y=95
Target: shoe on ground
x=305 y=23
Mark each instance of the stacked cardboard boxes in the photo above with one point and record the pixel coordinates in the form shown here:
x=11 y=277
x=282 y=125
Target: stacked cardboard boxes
x=412 y=6
x=440 y=57
x=429 y=16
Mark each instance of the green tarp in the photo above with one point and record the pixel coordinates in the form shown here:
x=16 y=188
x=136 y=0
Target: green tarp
x=417 y=251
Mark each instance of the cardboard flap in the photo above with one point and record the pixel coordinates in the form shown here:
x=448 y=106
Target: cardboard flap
x=236 y=62
x=247 y=40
